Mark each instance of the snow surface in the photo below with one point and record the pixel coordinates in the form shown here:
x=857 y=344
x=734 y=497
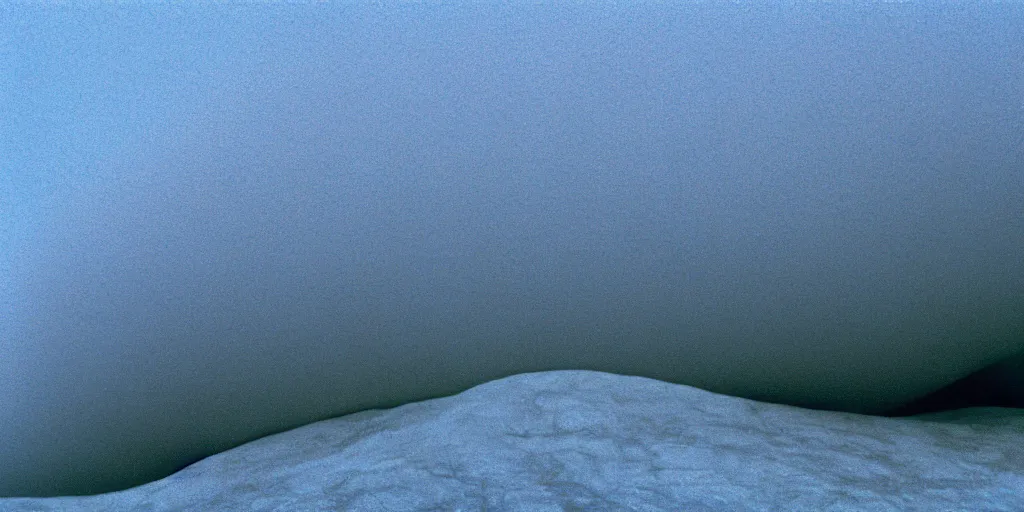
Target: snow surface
x=582 y=440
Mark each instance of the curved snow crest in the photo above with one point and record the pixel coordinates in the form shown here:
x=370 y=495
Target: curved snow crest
x=584 y=440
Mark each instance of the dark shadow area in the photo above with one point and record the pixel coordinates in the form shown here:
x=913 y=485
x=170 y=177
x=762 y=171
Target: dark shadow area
x=997 y=385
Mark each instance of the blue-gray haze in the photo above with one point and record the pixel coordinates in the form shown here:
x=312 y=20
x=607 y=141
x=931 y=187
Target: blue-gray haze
x=220 y=222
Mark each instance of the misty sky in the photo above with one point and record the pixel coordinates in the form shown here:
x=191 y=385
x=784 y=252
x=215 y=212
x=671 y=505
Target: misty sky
x=219 y=222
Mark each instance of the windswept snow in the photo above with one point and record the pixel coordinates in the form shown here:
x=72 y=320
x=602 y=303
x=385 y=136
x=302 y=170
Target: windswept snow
x=582 y=440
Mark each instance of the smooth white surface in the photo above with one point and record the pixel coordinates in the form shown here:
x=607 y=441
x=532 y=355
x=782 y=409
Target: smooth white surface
x=581 y=440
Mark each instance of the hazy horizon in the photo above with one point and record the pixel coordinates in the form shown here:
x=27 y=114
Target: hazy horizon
x=222 y=221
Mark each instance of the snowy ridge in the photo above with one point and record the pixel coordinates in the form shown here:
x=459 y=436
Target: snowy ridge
x=583 y=440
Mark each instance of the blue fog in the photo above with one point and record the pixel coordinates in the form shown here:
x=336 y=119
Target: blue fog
x=218 y=223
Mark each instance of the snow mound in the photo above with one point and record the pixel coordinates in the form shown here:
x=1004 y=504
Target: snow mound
x=582 y=440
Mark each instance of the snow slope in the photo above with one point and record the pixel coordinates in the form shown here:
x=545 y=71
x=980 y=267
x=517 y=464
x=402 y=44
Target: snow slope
x=583 y=440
